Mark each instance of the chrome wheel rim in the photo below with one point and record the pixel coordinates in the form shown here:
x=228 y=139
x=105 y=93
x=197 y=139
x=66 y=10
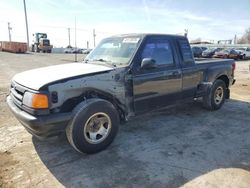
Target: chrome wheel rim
x=97 y=128
x=218 y=95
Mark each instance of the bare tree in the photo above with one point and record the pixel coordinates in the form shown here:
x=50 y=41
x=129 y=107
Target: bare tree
x=247 y=34
x=245 y=39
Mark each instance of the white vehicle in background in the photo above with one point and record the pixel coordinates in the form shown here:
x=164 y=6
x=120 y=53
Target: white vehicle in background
x=68 y=50
x=73 y=51
x=244 y=52
x=87 y=51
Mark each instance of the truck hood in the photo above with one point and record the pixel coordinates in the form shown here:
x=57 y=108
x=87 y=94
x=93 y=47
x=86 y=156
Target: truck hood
x=36 y=78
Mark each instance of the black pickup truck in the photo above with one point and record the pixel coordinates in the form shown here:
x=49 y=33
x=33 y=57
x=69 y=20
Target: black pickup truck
x=122 y=77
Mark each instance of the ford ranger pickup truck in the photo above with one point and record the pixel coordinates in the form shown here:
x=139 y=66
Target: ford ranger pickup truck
x=124 y=76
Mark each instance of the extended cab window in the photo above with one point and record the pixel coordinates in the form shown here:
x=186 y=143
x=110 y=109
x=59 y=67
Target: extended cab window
x=186 y=52
x=159 y=50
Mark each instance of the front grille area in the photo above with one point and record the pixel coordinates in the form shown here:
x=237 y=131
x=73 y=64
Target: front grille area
x=16 y=93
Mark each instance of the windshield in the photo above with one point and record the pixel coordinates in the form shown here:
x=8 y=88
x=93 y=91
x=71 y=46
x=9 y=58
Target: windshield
x=115 y=51
x=46 y=42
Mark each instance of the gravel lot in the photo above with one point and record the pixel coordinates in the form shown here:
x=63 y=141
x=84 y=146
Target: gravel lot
x=184 y=146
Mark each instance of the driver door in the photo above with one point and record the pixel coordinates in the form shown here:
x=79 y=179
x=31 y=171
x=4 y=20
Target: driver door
x=159 y=86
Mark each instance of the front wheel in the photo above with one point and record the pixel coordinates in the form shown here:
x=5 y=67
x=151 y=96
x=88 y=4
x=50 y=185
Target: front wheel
x=94 y=126
x=215 y=98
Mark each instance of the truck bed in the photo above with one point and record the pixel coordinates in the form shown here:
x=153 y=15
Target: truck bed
x=211 y=60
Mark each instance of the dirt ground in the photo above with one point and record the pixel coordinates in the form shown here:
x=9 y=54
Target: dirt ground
x=184 y=146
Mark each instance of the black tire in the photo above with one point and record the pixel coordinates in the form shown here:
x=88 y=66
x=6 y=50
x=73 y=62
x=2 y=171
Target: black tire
x=32 y=48
x=76 y=130
x=209 y=100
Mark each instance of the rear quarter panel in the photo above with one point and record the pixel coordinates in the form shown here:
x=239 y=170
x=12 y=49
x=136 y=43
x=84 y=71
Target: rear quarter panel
x=213 y=69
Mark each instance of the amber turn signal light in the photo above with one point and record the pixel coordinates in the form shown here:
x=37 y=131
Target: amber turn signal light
x=40 y=101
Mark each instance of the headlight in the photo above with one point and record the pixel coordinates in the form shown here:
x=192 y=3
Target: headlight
x=35 y=100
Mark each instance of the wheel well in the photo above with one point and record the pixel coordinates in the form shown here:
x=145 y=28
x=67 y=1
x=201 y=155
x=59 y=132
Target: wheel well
x=225 y=79
x=71 y=103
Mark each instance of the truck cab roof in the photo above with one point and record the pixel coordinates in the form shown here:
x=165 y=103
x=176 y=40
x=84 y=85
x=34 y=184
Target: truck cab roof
x=142 y=35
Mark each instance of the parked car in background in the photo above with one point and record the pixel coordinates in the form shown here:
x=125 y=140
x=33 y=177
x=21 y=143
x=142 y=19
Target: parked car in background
x=244 y=52
x=73 y=50
x=227 y=53
x=86 y=51
x=197 y=51
x=204 y=48
x=210 y=52
x=77 y=51
x=68 y=50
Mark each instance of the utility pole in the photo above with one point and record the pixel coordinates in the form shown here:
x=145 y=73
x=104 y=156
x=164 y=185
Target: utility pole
x=87 y=44
x=69 y=35
x=27 y=28
x=94 y=35
x=9 y=28
x=75 y=42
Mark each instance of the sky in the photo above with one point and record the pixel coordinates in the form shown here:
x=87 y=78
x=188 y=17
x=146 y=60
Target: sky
x=206 y=19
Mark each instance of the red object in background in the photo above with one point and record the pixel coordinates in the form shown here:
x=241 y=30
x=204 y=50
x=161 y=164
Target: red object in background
x=14 y=47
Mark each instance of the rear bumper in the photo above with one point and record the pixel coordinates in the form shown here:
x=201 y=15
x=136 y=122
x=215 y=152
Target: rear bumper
x=40 y=126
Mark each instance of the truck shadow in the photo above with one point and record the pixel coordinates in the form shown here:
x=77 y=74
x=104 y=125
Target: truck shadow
x=163 y=149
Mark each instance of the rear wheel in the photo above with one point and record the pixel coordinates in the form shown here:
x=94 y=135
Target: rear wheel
x=94 y=126
x=215 y=98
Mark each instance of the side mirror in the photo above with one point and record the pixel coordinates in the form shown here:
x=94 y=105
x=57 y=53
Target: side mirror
x=148 y=63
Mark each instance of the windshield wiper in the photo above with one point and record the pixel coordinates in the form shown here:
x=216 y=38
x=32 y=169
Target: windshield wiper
x=106 y=62
x=101 y=60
